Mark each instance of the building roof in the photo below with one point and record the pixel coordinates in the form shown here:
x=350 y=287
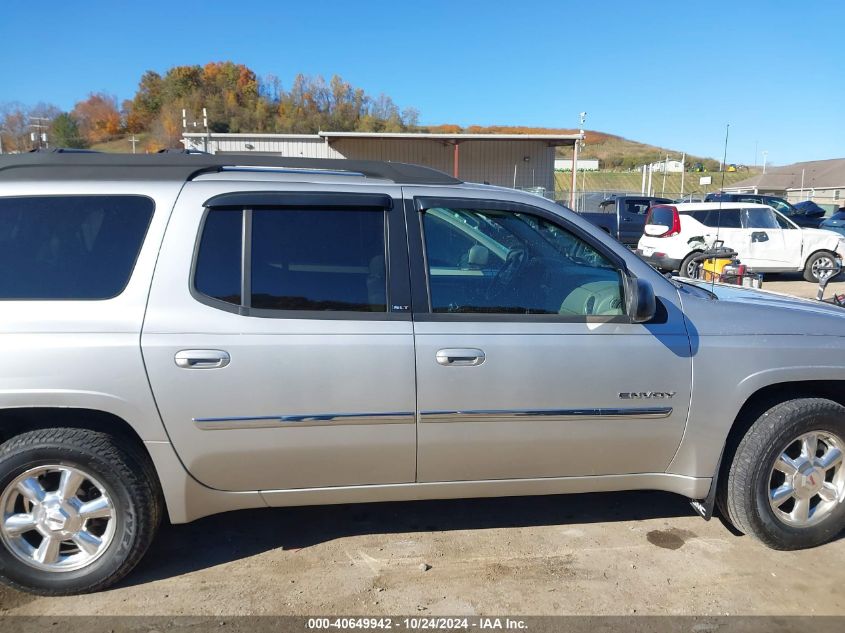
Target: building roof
x=69 y=165
x=550 y=139
x=818 y=174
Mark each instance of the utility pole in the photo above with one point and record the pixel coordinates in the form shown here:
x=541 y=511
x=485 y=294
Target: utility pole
x=765 y=156
x=582 y=116
x=683 y=172
x=133 y=140
x=40 y=135
x=665 y=169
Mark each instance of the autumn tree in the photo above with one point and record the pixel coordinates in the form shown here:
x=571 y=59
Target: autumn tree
x=98 y=117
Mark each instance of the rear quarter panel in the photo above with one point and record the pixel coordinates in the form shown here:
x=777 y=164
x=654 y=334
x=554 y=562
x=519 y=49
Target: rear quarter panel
x=86 y=354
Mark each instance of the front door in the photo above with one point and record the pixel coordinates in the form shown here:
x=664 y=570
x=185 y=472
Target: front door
x=277 y=348
x=765 y=245
x=527 y=365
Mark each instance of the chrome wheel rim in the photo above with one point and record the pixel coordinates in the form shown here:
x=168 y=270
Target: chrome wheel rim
x=691 y=268
x=822 y=262
x=56 y=518
x=807 y=481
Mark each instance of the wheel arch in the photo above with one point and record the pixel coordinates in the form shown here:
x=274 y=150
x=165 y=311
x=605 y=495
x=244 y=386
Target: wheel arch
x=17 y=420
x=816 y=252
x=689 y=254
x=767 y=397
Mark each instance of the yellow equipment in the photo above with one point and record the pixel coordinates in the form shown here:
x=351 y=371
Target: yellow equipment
x=712 y=269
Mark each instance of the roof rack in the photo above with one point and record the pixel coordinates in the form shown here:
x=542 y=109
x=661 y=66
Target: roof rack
x=182 y=167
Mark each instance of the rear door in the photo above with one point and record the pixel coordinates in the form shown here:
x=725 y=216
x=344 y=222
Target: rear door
x=632 y=214
x=526 y=364
x=277 y=340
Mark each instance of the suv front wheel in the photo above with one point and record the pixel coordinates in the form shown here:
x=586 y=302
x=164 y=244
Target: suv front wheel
x=77 y=510
x=818 y=265
x=786 y=483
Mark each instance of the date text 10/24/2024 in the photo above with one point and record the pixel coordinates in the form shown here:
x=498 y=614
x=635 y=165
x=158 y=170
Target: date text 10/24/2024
x=418 y=623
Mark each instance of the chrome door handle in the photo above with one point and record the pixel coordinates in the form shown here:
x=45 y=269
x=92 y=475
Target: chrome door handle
x=460 y=357
x=202 y=359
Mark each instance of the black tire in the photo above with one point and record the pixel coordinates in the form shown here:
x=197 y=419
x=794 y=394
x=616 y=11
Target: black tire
x=683 y=271
x=809 y=275
x=744 y=491
x=129 y=478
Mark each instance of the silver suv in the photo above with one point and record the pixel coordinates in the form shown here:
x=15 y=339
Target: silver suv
x=192 y=334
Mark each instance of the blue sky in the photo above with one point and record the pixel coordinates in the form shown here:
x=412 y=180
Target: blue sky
x=666 y=73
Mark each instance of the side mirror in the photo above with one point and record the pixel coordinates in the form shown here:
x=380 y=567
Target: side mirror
x=640 y=304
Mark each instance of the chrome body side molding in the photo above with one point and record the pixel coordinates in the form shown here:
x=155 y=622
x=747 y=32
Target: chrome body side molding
x=313 y=419
x=642 y=413
x=407 y=417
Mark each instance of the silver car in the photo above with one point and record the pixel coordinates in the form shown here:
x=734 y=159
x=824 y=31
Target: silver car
x=191 y=334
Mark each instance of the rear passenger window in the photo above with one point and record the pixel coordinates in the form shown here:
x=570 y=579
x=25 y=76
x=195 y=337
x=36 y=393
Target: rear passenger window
x=218 y=269
x=299 y=259
x=725 y=219
x=70 y=247
x=318 y=260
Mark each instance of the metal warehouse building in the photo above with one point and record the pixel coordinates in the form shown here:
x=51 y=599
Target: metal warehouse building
x=511 y=160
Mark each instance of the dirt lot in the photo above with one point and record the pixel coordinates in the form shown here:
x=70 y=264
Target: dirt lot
x=620 y=553
x=794 y=284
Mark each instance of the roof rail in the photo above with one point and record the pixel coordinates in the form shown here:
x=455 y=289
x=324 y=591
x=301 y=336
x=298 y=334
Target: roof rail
x=182 y=167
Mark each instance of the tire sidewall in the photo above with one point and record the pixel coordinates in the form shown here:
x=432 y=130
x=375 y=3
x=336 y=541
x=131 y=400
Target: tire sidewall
x=786 y=536
x=37 y=580
x=682 y=271
x=809 y=275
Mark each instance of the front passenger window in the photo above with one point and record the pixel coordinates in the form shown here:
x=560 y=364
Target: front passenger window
x=503 y=262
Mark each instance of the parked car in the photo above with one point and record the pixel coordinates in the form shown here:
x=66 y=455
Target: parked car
x=190 y=334
x=623 y=217
x=765 y=240
x=836 y=222
x=807 y=218
x=810 y=208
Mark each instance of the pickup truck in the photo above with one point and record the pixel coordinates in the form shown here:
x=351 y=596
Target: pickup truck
x=623 y=217
x=190 y=334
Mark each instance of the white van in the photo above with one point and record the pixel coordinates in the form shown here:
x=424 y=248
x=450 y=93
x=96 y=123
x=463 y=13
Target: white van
x=764 y=239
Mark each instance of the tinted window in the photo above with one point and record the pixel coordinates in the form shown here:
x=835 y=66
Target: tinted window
x=637 y=207
x=319 y=260
x=218 y=268
x=482 y=261
x=726 y=218
x=662 y=216
x=70 y=247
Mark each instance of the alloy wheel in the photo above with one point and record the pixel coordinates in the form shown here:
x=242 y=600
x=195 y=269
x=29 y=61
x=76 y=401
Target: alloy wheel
x=56 y=518
x=807 y=481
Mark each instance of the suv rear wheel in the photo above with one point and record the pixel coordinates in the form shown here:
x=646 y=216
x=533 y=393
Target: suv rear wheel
x=77 y=511
x=786 y=483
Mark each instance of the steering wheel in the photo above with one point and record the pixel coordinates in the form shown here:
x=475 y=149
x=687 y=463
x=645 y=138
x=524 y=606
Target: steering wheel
x=507 y=273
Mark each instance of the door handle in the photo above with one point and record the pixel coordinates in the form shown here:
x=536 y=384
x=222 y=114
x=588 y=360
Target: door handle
x=202 y=358
x=460 y=357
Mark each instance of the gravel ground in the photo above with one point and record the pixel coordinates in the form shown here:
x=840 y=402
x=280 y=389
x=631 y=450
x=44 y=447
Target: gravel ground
x=611 y=553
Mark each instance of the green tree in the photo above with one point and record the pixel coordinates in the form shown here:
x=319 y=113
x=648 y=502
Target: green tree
x=64 y=132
